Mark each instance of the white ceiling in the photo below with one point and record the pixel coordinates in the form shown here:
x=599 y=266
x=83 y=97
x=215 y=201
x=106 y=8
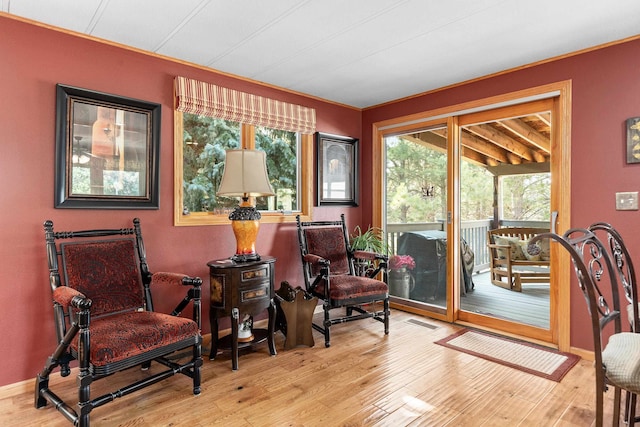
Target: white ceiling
x=355 y=52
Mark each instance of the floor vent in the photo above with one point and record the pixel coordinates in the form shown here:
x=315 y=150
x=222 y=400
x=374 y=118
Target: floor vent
x=421 y=323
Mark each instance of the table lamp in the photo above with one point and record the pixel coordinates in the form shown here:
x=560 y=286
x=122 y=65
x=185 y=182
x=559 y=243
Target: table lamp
x=245 y=175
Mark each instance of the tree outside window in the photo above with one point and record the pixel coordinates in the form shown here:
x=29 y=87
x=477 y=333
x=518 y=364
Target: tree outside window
x=205 y=140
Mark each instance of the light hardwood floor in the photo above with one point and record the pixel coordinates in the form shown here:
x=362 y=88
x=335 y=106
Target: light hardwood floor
x=364 y=379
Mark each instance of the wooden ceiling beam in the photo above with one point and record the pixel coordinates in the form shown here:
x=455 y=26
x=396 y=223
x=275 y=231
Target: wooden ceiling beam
x=484 y=147
x=430 y=139
x=484 y=144
x=502 y=140
x=528 y=133
x=477 y=149
x=544 y=118
x=436 y=139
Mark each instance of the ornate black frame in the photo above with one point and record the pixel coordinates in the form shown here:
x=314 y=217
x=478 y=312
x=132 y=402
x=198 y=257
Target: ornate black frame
x=66 y=128
x=324 y=142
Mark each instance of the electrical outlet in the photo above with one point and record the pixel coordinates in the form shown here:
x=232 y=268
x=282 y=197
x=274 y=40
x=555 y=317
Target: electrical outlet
x=627 y=201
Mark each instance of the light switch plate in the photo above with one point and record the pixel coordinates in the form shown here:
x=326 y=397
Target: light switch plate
x=627 y=201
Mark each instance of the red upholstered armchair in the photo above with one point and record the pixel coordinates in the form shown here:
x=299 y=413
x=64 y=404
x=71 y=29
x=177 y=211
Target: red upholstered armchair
x=104 y=316
x=329 y=275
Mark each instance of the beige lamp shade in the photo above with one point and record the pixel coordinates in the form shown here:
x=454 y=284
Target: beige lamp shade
x=245 y=175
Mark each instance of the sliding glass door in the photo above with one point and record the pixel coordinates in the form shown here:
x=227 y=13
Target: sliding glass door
x=446 y=182
x=416 y=217
x=505 y=183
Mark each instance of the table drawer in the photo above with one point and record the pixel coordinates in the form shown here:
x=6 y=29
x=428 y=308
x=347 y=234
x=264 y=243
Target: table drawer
x=255 y=292
x=258 y=274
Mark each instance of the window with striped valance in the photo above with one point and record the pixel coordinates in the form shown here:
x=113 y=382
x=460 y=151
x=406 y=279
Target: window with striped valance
x=203 y=98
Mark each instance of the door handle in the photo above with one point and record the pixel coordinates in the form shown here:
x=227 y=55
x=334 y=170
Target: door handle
x=554 y=219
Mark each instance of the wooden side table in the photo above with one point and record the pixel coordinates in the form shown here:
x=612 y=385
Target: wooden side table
x=239 y=288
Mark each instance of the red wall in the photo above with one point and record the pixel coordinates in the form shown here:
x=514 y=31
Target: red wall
x=32 y=61
x=605 y=88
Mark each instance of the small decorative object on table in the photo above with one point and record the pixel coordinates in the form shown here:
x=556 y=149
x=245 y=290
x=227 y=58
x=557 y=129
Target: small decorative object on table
x=401 y=282
x=244 y=331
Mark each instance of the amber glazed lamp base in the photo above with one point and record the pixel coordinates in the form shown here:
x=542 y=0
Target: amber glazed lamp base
x=246 y=232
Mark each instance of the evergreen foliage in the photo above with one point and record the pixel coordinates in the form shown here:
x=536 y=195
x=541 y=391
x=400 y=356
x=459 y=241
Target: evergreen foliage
x=417 y=188
x=205 y=140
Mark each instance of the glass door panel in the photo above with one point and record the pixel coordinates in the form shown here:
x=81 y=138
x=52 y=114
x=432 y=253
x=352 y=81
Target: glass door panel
x=505 y=181
x=416 y=218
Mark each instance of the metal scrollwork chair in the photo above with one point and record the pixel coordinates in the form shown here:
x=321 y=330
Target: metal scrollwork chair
x=328 y=269
x=104 y=317
x=626 y=271
x=616 y=351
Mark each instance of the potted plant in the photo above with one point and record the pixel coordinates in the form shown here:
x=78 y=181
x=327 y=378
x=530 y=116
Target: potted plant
x=401 y=282
x=371 y=241
x=399 y=262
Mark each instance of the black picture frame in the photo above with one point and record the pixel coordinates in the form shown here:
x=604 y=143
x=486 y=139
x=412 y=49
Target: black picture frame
x=336 y=170
x=107 y=151
x=633 y=140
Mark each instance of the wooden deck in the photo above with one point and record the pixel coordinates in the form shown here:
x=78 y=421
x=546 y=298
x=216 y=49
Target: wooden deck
x=531 y=306
x=364 y=379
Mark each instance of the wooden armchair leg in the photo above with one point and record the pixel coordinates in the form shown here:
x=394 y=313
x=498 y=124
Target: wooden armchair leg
x=387 y=312
x=327 y=325
x=517 y=282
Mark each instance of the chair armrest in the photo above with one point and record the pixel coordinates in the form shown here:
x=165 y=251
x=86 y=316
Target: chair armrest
x=370 y=256
x=316 y=260
x=69 y=297
x=496 y=246
x=507 y=248
x=161 y=278
x=193 y=294
x=323 y=273
x=374 y=268
x=319 y=261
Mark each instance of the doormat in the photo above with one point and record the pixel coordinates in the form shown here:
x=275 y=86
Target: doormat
x=534 y=359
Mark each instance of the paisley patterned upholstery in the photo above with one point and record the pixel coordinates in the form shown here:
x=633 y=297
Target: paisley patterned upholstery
x=86 y=266
x=344 y=287
x=137 y=332
x=328 y=243
x=104 y=318
x=329 y=275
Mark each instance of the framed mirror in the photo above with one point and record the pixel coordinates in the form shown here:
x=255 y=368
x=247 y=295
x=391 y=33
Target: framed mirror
x=107 y=151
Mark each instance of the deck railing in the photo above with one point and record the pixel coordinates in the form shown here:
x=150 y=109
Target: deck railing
x=473 y=232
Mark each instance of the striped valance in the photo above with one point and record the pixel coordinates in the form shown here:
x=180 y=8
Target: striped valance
x=198 y=97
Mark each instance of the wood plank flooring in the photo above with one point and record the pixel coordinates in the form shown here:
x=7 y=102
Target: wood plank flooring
x=364 y=379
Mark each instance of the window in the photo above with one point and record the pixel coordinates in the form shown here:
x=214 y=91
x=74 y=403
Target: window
x=283 y=165
x=203 y=133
